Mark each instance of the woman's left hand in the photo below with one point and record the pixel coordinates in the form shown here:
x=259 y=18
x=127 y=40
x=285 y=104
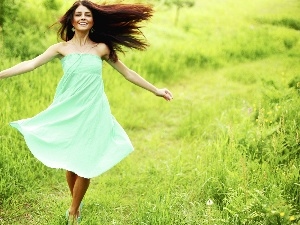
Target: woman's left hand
x=165 y=93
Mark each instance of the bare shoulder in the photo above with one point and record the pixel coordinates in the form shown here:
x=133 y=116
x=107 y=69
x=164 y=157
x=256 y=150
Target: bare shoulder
x=57 y=48
x=52 y=51
x=63 y=48
x=102 y=50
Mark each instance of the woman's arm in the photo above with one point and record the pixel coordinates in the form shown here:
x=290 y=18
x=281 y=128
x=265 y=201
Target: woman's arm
x=30 y=65
x=136 y=79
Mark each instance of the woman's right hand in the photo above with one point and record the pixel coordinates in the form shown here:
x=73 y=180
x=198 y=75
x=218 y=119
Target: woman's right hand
x=165 y=93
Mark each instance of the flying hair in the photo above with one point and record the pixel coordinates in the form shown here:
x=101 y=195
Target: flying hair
x=116 y=25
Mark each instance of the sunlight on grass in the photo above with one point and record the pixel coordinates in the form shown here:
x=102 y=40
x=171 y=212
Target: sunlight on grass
x=229 y=138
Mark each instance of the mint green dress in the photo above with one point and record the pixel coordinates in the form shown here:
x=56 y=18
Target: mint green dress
x=77 y=132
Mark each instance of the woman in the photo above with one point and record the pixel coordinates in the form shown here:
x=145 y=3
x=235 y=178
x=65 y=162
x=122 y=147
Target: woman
x=77 y=131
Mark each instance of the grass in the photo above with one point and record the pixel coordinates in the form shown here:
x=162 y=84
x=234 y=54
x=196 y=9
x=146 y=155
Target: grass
x=231 y=134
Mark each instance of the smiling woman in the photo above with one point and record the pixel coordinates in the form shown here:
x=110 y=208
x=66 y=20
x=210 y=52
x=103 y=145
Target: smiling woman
x=77 y=132
x=115 y=25
x=83 y=19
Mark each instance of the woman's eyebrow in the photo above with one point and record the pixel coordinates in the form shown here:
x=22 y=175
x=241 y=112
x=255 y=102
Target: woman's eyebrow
x=84 y=12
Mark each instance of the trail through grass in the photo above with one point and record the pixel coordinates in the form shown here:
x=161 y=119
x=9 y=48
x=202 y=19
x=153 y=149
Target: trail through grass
x=224 y=151
x=171 y=175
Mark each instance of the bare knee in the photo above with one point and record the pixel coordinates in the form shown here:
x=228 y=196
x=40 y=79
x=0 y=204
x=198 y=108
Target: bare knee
x=71 y=173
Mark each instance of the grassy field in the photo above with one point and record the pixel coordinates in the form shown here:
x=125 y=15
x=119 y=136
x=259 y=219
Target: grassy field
x=224 y=151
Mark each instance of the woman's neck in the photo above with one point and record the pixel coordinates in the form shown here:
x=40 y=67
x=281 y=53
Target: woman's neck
x=81 y=39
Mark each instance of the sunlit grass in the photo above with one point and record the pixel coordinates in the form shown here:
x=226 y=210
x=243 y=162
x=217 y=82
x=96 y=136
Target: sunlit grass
x=231 y=134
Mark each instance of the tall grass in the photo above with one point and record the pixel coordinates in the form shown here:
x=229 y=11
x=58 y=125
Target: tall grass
x=225 y=151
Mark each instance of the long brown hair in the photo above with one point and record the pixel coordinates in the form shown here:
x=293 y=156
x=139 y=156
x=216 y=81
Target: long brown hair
x=116 y=25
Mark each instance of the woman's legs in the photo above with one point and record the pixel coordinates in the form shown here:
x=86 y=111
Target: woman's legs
x=71 y=179
x=78 y=187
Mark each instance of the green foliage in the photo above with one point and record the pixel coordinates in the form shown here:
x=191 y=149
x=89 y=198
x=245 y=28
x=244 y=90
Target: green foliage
x=180 y=3
x=285 y=22
x=8 y=8
x=251 y=141
x=29 y=26
x=1 y=14
x=177 y=3
x=225 y=151
x=51 y=4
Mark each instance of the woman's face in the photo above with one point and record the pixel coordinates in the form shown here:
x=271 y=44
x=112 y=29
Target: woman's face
x=82 y=19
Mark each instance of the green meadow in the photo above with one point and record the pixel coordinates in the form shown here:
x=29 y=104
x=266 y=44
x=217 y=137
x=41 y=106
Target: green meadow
x=224 y=151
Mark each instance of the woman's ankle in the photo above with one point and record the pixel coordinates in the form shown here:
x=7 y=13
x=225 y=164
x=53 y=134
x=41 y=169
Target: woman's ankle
x=74 y=212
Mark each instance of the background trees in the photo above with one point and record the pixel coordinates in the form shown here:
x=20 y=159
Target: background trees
x=178 y=4
x=25 y=22
x=26 y=26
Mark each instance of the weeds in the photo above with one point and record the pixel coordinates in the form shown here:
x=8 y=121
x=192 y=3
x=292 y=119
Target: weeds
x=225 y=151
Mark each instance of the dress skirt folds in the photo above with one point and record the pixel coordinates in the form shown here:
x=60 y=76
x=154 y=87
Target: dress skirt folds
x=77 y=132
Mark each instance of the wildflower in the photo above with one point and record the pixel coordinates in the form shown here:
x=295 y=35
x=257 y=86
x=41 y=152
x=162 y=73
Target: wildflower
x=292 y=218
x=282 y=214
x=209 y=202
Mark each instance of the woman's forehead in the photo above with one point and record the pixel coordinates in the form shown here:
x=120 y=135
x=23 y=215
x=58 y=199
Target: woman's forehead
x=82 y=8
